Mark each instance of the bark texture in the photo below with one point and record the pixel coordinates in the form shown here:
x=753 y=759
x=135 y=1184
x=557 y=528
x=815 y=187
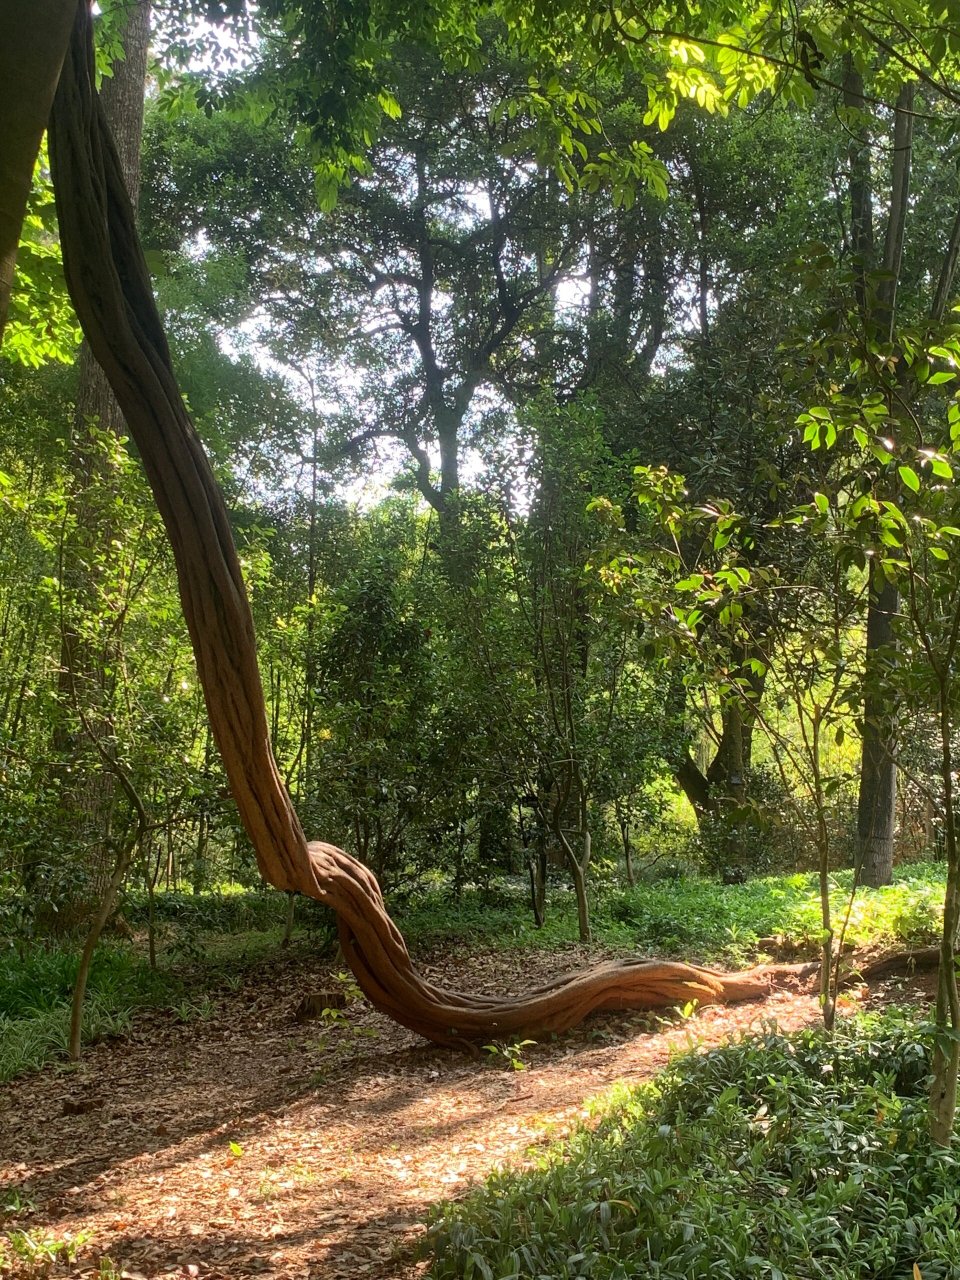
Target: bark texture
x=33 y=39
x=877 y=800
x=110 y=287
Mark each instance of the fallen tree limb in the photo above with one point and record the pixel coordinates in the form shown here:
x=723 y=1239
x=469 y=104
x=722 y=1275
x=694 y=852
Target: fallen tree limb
x=110 y=287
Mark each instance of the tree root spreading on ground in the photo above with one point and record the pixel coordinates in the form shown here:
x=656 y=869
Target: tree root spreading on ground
x=110 y=286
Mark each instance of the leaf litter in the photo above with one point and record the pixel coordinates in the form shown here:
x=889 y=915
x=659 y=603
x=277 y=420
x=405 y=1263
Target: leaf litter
x=247 y=1144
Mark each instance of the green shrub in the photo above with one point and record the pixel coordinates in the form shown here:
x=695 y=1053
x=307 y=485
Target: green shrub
x=783 y=1158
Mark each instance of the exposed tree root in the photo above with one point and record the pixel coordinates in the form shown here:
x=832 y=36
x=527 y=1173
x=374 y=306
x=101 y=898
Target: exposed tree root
x=110 y=287
x=900 y=964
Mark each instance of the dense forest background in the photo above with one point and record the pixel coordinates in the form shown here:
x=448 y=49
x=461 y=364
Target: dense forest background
x=546 y=573
x=574 y=390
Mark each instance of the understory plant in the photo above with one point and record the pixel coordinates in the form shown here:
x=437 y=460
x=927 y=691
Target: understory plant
x=778 y=1157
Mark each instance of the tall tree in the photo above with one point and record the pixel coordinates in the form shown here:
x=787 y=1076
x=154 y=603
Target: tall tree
x=877 y=800
x=88 y=668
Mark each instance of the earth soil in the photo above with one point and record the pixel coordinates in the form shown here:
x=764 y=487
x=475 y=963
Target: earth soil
x=247 y=1143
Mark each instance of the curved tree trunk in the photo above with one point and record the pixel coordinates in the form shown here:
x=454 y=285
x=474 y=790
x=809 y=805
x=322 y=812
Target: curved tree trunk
x=110 y=287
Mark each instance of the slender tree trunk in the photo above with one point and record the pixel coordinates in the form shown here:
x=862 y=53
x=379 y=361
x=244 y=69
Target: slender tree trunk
x=860 y=187
x=946 y=1052
x=537 y=866
x=627 y=844
x=877 y=803
x=103 y=912
x=291 y=915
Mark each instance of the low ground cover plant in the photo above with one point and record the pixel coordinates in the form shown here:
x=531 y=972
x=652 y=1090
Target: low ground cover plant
x=694 y=918
x=786 y=1158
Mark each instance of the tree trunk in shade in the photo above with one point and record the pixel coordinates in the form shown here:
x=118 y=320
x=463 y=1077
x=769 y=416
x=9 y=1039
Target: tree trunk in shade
x=89 y=791
x=33 y=40
x=877 y=805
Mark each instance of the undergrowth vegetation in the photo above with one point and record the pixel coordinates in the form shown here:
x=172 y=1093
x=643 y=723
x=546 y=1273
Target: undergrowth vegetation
x=204 y=938
x=782 y=1158
x=36 y=988
x=694 y=918
x=35 y=991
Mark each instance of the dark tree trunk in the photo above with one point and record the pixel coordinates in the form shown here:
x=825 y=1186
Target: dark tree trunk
x=877 y=804
x=877 y=801
x=725 y=781
x=33 y=40
x=695 y=786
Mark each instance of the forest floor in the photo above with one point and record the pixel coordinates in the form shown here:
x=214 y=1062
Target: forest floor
x=245 y=1144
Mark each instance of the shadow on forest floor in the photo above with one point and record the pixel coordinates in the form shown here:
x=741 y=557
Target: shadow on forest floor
x=246 y=1144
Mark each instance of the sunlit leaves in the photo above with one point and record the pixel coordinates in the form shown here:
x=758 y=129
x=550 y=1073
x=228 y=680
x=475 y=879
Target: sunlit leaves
x=42 y=326
x=909 y=477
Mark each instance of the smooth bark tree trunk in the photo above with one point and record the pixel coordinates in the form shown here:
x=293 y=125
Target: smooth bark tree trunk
x=877 y=802
x=33 y=41
x=627 y=844
x=946 y=1052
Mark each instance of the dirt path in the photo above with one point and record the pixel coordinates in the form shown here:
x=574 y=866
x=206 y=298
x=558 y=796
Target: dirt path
x=247 y=1145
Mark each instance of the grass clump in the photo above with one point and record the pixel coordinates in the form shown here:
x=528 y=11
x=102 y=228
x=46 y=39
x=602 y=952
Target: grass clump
x=782 y=1158
x=224 y=909
x=35 y=993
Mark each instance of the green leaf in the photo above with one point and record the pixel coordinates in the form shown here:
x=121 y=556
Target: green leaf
x=909 y=478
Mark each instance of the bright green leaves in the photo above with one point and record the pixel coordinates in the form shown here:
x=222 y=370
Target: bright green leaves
x=677 y=606
x=389 y=105
x=938 y=464
x=625 y=173
x=819 y=428
x=42 y=326
x=892 y=497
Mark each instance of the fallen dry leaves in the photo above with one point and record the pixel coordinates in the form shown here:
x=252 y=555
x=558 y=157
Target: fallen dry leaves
x=249 y=1145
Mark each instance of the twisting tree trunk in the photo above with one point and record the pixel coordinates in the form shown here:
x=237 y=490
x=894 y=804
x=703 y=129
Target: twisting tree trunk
x=110 y=287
